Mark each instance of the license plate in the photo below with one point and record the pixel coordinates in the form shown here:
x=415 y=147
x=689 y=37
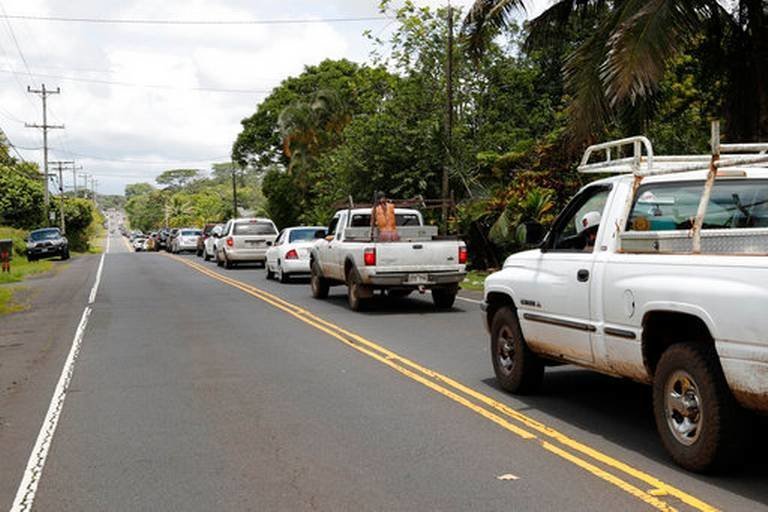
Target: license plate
x=254 y=242
x=417 y=279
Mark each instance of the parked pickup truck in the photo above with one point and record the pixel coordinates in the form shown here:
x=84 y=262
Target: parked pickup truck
x=633 y=282
x=420 y=260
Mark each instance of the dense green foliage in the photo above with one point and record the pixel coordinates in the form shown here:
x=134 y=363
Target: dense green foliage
x=190 y=199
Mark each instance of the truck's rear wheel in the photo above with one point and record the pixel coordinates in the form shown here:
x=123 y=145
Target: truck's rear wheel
x=318 y=283
x=697 y=417
x=444 y=297
x=355 y=292
x=517 y=368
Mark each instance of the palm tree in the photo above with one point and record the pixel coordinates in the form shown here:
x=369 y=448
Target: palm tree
x=633 y=43
x=537 y=205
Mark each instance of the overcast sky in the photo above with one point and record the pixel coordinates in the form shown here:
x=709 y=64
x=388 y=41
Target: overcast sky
x=126 y=133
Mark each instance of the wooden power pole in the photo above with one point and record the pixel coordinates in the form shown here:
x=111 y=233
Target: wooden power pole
x=448 y=119
x=43 y=92
x=60 y=165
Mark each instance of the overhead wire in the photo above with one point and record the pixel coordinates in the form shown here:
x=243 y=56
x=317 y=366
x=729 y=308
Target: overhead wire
x=128 y=21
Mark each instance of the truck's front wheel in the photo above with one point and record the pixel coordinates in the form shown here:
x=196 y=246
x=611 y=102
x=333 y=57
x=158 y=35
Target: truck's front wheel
x=696 y=415
x=517 y=369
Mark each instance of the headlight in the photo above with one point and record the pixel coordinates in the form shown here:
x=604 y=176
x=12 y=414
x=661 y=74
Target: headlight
x=31 y=245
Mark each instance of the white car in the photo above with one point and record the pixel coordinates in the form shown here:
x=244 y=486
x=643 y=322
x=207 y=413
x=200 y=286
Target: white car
x=290 y=254
x=245 y=241
x=139 y=244
x=210 y=244
x=185 y=240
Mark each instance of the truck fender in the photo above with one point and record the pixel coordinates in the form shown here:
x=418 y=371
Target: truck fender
x=680 y=307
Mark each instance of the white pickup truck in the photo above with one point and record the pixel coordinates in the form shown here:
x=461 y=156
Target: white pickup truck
x=419 y=260
x=659 y=276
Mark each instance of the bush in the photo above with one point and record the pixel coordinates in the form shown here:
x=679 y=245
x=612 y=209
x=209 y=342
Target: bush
x=21 y=200
x=19 y=238
x=78 y=216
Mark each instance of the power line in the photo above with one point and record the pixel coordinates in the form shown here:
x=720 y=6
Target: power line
x=15 y=41
x=133 y=84
x=147 y=162
x=126 y=21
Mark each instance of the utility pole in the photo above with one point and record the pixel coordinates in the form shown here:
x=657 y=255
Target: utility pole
x=75 y=168
x=448 y=119
x=43 y=92
x=94 y=182
x=234 y=190
x=60 y=164
x=85 y=183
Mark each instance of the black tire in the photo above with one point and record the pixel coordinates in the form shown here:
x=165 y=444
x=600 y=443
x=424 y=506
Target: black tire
x=716 y=442
x=318 y=283
x=206 y=256
x=228 y=263
x=284 y=278
x=198 y=253
x=31 y=259
x=444 y=297
x=517 y=368
x=219 y=262
x=354 y=289
x=270 y=274
x=65 y=255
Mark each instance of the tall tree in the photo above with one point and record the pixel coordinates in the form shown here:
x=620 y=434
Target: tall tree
x=620 y=65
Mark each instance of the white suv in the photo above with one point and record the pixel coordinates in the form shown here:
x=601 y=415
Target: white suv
x=245 y=240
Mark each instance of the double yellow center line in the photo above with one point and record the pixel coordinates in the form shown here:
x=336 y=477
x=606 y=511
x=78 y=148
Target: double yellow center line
x=639 y=484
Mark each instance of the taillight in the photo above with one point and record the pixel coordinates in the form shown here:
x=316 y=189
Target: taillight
x=462 y=255
x=230 y=242
x=292 y=255
x=369 y=256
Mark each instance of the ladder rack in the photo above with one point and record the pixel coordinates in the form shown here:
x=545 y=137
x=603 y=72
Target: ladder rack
x=644 y=163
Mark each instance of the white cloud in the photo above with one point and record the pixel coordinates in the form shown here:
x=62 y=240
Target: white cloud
x=175 y=123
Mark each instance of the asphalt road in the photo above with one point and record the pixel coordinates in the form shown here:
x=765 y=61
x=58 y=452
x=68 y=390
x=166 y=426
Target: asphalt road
x=198 y=388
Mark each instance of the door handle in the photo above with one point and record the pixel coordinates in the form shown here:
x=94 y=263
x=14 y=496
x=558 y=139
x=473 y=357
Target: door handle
x=582 y=275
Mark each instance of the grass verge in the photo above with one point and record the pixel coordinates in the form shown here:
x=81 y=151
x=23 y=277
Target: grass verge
x=475 y=280
x=7 y=305
x=21 y=268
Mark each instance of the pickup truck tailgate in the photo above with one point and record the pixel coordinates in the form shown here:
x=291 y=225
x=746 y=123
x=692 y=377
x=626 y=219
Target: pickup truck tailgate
x=433 y=255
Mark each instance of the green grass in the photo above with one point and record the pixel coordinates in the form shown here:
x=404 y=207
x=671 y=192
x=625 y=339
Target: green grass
x=21 y=268
x=6 y=301
x=475 y=280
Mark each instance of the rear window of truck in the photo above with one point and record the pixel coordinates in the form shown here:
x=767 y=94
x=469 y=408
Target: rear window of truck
x=673 y=206
x=363 y=220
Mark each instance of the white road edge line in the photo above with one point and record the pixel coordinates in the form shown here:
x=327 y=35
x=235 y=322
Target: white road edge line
x=25 y=495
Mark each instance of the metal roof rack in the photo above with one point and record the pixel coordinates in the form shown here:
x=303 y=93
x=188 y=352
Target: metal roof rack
x=644 y=163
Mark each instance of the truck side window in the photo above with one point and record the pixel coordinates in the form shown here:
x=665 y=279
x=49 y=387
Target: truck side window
x=673 y=206
x=332 y=226
x=576 y=229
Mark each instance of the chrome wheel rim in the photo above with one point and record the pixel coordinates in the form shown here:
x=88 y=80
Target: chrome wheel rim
x=682 y=404
x=505 y=351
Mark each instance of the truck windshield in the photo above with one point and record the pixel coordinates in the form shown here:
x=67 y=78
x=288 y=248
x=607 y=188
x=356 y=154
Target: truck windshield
x=363 y=220
x=46 y=234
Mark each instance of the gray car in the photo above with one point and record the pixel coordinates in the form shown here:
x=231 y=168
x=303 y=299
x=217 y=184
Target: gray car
x=47 y=243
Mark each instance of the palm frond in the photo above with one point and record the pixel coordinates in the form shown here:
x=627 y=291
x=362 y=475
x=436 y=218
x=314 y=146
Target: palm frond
x=484 y=20
x=549 y=27
x=641 y=47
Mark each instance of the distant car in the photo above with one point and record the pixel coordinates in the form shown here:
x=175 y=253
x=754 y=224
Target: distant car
x=162 y=239
x=47 y=243
x=290 y=254
x=211 y=243
x=245 y=240
x=139 y=244
x=185 y=240
x=202 y=238
x=171 y=237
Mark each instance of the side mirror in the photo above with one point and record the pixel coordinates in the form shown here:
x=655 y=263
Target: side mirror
x=320 y=233
x=530 y=233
